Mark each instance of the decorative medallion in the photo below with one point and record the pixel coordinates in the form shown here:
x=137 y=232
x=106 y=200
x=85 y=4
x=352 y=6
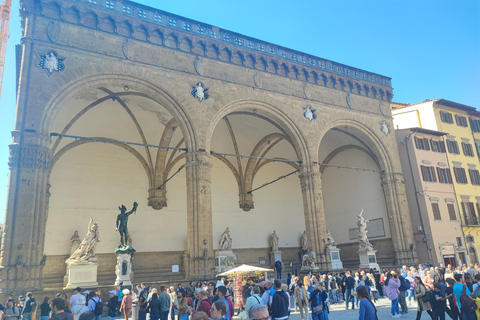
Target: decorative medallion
x=53 y=31
x=384 y=127
x=198 y=65
x=383 y=107
x=349 y=101
x=200 y=92
x=51 y=62
x=309 y=113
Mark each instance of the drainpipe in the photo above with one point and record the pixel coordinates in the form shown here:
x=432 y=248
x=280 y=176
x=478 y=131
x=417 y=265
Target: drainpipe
x=407 y=137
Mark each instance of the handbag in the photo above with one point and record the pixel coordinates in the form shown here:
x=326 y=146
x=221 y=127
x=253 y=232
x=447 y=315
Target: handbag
x=427 y=297
x=466 y=302
x=318 y=309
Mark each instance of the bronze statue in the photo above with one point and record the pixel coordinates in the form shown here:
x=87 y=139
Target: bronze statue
x=122 y=221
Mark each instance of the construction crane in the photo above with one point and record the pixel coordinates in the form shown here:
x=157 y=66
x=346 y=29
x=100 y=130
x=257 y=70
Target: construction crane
x=4 y=25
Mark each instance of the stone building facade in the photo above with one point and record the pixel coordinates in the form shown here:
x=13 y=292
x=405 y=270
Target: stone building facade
x=102 y=84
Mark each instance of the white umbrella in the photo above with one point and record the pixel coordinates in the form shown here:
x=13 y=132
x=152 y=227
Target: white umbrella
x=244 y=269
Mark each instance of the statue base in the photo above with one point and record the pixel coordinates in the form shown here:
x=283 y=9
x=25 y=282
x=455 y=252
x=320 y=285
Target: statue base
x=274 y=256
x=335 y=258
x=125 y=250
x=224 y=260
x=123 y=270
x=80 y=275
x=368 y=259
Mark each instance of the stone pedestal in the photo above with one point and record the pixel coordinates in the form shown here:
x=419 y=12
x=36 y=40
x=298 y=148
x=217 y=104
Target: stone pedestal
x=335 y=258
x=225 y=260
x=123 y=270
x=81 y=275
x=368 y=259
x=274 y=256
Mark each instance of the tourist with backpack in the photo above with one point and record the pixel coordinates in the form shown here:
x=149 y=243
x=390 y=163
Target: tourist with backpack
x=12 y=312
x=463 y=299
x=29 y=307
x=423 y=298
x=402 y=295
x=95 y=305
x=58 y=307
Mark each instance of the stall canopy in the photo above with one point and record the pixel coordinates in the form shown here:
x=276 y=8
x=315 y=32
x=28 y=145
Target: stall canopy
x=243 y=269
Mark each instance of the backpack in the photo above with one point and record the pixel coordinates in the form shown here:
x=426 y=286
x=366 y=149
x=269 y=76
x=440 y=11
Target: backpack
x=405 y=283
x=98 y=307
x=30 y=305
x=67 y=316
x=466 y=302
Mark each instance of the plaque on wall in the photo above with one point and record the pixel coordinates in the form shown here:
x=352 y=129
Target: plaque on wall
x=175 y=268
x=262 y=261
x=374 y=227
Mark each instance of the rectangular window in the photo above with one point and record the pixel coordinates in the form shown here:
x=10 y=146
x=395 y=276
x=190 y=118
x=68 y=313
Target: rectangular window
x=446 y=117
x=460 y=175
x=437 y=146
x=452 y=146
x=461 y=121
x=467 y=149
x=451 y=211
x=477 y=146
x=459 y=241
x=422 y=143
x=474 y=177
x=444 y=175
x=469 y=213
x=436 y=211
x=428 y=174
x=475 y=124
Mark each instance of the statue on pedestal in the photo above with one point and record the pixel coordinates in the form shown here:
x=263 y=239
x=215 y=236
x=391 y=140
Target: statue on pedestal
x=330 y=241
x=225 y=242
x=304 y=241
x=309 y=260
x=274 y=241
x=75 y=240
x=363 y=242
x=122 y=222
x=86 y=249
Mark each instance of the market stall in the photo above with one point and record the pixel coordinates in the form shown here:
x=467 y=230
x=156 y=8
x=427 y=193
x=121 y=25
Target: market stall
x=239 y=277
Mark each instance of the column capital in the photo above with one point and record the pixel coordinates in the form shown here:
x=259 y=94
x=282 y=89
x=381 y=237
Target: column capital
x=29 y=156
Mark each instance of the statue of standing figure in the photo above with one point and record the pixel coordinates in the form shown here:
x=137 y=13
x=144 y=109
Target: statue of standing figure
x=363 y=242
x=75 y=240
x=122 y=222
x=86 y=249
x=304 y=241
x=225 y=240
x=274 y=241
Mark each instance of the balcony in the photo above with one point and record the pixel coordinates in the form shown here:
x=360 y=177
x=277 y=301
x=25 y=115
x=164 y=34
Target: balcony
x=469 y=221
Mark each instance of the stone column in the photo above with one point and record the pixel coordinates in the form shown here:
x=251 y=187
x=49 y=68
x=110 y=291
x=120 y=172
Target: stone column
x=200 y=258
x=311 y=183
x=399 y=218
x=21 y=256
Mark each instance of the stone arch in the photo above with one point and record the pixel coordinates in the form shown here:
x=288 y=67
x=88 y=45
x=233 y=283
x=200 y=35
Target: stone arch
x=472 y=253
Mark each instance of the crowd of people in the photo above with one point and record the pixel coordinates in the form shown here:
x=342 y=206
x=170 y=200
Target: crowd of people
x=436 y=291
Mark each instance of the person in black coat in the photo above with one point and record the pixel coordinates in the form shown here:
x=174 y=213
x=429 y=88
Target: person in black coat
x=278 y=266
x=279 y=307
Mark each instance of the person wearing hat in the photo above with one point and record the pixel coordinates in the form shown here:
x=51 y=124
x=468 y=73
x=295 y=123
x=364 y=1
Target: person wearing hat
x=74 y=298
x=112 y=305
x=11 y=310
x=79 y=307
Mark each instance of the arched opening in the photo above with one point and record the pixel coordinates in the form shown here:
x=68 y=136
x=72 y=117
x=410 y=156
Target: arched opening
x=472 y=253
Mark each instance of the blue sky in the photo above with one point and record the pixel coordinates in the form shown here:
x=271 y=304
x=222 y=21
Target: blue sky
x=430 y=48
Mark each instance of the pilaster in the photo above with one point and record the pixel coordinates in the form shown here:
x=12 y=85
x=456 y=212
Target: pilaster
x=199 y=258
x=311 y=184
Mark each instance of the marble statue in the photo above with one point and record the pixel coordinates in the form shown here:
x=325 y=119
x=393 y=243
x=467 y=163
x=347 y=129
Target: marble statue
x=86 y=249
x=363 y=242
x=308 y=260
x=330 y=241
x=274 y=241
x=122 y=222
x=228 y=262
x=225 y=240
x=75 y=240
x=304 y=241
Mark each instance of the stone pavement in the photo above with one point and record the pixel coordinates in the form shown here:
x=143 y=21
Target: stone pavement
x=338 y=312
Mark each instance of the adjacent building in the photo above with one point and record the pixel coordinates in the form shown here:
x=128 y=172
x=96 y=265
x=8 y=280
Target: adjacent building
x=462 y=126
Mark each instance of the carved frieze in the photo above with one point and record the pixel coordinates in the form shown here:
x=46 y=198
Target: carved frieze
x=32 y=157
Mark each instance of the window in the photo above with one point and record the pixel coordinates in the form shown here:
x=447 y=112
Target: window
x=469 y=239
x=459 y=241
x=451 y=211
x=460 y=175
x=461 y=121
x=467 y=149
x=436 y=211
x=477 y=145
x=444 y=175
x=446 y=117
x=475 y=124
x=469 y=213
x=437 y=146
x=428 y=173
x=422 y=143
x=474 y=177
x=452 y=146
